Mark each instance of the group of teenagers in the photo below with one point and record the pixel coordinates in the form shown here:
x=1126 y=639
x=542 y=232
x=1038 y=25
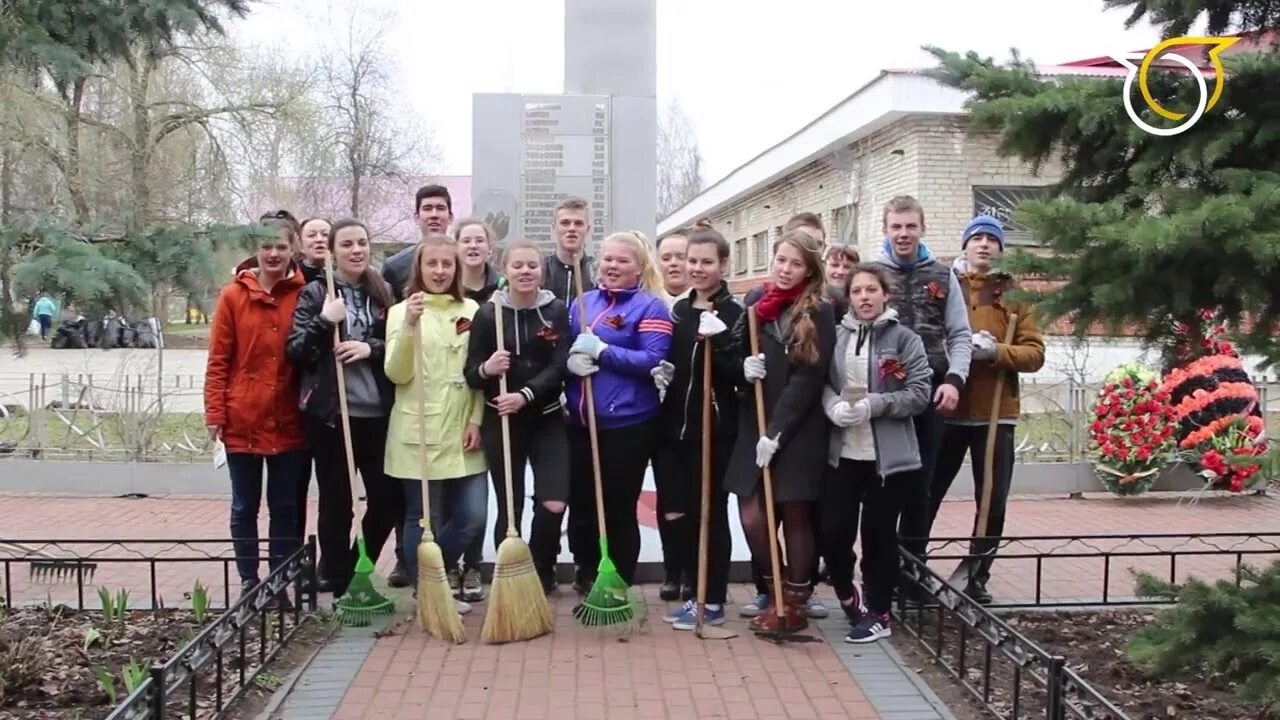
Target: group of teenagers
x=877 y=379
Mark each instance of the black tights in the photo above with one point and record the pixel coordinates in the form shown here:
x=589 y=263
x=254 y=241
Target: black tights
x=797 y=529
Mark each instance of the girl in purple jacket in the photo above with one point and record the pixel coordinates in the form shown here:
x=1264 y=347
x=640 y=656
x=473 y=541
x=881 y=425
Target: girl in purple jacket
x=624 y=333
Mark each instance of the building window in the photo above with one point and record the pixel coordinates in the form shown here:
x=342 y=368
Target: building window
x=1000 y=202
x=759 y=250
x=844 y=226
x=740 y=256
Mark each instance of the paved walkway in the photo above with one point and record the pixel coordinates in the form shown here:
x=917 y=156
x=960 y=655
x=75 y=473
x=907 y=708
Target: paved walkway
x=574 y=673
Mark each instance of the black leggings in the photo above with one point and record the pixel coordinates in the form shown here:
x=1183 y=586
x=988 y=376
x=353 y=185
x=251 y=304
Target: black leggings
x=538 y=440
x=624 y=454
x=797 y=528
x=682 y=485
x=852 y=489
x=384 y=493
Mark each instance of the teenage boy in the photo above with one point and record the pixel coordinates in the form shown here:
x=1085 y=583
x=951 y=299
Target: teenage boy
x=571 y=224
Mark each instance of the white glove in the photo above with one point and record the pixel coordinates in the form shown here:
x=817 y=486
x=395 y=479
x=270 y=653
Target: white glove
x=334 y=310
x=840 y=414
x=753 y=368
x=662 y=376
x=582 y=365
x=984 y=345
x=765 y=448
x=710 y=325
x=860 y=412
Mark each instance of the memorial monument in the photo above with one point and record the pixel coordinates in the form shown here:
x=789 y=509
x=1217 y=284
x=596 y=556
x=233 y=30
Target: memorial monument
x=597 y=141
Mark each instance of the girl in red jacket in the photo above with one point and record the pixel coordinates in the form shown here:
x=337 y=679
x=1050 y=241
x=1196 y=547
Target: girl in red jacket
x=250 y=398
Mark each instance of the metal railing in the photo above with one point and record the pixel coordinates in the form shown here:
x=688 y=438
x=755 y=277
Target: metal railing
x=1085 y=568
x=135 y=415
x=1011 y=676
x=233 y=647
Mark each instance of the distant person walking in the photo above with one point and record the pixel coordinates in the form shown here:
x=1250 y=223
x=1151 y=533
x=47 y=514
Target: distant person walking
x=44 y=311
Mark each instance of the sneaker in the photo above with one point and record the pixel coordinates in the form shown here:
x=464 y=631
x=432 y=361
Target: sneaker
x=399 y=577
x=755 y=607
x=979 y=593
x=872 y=627
x=463 y=607
x=815 y=609
x=853 y=611
x=689 y=620
x=455 y=583
x=669 y=591
x=472 y=586
x=680 y=612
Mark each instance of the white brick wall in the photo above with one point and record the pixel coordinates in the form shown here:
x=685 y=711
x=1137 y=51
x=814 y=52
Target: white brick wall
x=934 y=158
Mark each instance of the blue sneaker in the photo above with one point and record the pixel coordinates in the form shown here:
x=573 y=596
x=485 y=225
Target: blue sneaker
x=871 y=628
x=755 y=607
x=675 y=615
x=689 y=620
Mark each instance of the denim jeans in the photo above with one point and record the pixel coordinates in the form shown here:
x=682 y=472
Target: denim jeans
x=284 y=473
x=463 y=502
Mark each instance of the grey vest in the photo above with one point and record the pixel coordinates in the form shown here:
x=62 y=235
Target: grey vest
x=919 y=296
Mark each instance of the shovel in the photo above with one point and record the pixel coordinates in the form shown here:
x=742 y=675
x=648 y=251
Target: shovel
x=964 y=571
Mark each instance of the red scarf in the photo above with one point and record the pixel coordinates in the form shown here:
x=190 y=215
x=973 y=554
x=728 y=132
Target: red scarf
x=770 y=306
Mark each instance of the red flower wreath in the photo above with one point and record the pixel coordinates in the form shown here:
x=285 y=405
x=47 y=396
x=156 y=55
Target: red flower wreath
x=891 y=367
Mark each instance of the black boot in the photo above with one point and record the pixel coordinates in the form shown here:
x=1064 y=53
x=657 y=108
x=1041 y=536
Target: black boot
x=670 y=589
x=978 y=592
x=399 y=577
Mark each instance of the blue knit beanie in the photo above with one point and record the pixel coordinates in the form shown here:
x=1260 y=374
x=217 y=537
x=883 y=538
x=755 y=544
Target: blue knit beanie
x=983 y=224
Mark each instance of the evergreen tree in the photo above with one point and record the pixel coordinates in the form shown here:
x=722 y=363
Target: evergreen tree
x=1147 y=230
x=1229 y=629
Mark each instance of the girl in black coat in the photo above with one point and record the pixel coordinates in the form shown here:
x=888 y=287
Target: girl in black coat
x=709 y=310
x=797 y=336
x=535 y=331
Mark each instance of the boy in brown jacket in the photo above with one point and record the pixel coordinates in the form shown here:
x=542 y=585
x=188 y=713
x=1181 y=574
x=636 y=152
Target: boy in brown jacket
x=966 y=427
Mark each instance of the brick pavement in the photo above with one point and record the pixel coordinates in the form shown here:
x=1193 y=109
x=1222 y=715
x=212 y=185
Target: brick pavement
x=657 y=673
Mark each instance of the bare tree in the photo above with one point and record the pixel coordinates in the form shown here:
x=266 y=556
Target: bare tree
x=679 y=161
x=372 y=146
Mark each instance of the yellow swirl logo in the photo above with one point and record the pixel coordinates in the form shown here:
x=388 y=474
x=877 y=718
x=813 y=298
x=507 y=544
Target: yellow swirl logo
x=1207 y=99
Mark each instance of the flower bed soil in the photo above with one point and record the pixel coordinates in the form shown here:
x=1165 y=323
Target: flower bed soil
x=46 y=671
x=1094 y=645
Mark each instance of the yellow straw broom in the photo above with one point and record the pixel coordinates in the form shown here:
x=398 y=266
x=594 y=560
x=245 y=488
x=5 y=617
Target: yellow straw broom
x=436 y=610
x=518 y=608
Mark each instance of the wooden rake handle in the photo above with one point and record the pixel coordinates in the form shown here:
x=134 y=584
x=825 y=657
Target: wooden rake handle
x=767 y=473
x=590 y=400
x=420 y=397
x=343 y=413
x=704 y=519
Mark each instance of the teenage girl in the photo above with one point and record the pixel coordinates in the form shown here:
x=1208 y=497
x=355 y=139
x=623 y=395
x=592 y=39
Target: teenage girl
x=435 y=305
x=709 y=310
x=797 y=335
x=879 y=381
x=535 y=331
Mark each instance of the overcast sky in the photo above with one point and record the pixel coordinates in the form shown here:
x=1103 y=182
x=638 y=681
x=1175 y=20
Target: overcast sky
x=747 y=72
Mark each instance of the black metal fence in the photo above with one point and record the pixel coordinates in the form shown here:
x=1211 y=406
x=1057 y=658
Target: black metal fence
x=213 y=669
x=1076 y=571
x=1010 y=675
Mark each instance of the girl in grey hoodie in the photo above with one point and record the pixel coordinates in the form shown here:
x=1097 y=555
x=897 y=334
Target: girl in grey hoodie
x=879 y=380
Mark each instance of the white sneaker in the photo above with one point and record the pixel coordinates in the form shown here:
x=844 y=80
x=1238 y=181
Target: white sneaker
x=463 y=607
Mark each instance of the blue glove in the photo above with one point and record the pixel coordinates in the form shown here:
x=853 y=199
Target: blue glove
x=588 y=344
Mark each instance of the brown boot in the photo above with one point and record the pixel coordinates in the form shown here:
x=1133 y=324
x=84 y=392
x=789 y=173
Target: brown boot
x=796 y=618
x=766 y=621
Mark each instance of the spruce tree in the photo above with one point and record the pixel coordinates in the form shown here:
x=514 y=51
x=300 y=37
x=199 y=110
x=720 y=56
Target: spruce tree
x=1145 y=230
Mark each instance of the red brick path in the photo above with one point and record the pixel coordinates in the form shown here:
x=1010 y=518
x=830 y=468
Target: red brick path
x=658 y=673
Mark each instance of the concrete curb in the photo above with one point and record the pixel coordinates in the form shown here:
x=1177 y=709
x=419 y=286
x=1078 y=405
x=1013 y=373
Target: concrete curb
x=892 y=688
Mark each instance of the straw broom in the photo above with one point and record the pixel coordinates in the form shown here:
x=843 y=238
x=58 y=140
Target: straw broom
x=518 y=608
x=436 y=611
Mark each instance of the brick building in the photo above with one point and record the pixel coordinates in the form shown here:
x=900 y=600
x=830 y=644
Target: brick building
x=901 y=133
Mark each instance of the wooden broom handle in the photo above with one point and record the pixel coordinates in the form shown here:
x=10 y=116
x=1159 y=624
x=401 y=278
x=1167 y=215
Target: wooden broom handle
x=704 y=520
x=993 y=422
x=342 y=390
x=774 y=560
x=506 y=427
x=420 y=396
x=589 y=397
